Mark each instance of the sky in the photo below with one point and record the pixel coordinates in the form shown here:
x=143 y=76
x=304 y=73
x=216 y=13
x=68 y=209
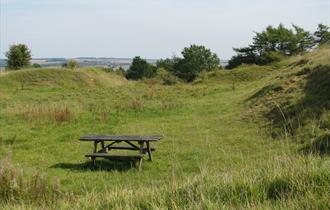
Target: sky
x=146 y=28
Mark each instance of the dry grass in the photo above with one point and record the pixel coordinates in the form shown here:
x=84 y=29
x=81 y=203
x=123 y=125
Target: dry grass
x=58 y=114
x=136 y=103
x=18 y=186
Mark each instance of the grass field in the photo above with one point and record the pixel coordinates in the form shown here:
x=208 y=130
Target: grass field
x=231 y=139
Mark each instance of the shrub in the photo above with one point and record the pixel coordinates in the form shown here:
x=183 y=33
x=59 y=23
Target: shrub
x=166 y=77
x=120 y=71
x=168 y=63
x=36 y=65
x=107 y=69
x=71 y=64
x=269 y=57
x=139 y=69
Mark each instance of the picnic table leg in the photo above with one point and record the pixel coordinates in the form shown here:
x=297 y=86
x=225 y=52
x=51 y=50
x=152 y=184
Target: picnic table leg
x=149 y=151
x=141 y=147
x=95 y=146
x=94 y=150
x=103 y=147
x=141 y=152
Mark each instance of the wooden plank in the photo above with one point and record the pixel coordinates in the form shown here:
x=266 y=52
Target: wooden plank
x=107 y=137
x=132 y=145
x=129 y=148
x=114 y=156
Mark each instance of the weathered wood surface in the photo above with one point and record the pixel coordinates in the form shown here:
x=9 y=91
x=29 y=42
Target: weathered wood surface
x=115 y=156
x=129 y=148
x=119 y=138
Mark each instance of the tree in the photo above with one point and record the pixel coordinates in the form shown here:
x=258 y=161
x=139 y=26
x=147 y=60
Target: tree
x=272 y=44
x=71 y=64
x=244 y=55
x=195 y=60
x=304 y=40
x=167 y=64
x=18 y=56
x=322 y=34
x=139 y=69
x=36 y=65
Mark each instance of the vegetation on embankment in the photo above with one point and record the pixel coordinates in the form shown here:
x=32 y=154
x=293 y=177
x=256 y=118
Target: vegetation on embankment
x=297 y=101
x=230 y=138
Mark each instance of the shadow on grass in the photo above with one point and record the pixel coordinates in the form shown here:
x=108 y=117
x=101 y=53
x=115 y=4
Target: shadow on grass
x=100 y=165
x=321 y=146
x=264 y=91
x=288 y=115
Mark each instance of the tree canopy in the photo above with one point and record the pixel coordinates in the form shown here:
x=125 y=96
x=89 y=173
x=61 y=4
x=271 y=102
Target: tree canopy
x=18 y=56
x=322 y=34
x=139 y=69
x=195 y=59
x=275 y=42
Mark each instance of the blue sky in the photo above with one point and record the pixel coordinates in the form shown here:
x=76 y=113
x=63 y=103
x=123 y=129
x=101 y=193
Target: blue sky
x=149 y=28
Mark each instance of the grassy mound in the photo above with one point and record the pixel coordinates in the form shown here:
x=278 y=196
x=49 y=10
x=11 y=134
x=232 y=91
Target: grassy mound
x=30 y=78
x=297 y=100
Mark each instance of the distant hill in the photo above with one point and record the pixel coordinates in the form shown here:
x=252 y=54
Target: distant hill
x=89 y=61
x=2 y=63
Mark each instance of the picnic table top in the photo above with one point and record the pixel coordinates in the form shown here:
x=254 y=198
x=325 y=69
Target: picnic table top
x=109 y=137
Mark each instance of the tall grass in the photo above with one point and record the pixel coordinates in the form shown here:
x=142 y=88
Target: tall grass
x=19 y=186
x=289 y=182
x=58 y=114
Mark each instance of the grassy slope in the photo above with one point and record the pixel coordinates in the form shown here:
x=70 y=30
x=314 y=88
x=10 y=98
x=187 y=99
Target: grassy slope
x=217 y=151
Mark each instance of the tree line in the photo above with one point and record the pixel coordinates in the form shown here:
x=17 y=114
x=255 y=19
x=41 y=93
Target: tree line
x=274 y=43
x=194 y=60
x=270 y=45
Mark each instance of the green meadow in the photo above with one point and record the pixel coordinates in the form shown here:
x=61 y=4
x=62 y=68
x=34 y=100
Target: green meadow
x=255 y=137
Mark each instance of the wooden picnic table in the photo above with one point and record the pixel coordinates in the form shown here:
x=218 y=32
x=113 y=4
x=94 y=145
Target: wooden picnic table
x=138 y=143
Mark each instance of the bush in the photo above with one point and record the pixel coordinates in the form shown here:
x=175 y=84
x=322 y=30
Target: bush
x=139 y=69
x=107 y=69
x=71 y=64
x=120 y=71
x=166 y=77
x=167 y=64
x=36 y=65
x=269 y=57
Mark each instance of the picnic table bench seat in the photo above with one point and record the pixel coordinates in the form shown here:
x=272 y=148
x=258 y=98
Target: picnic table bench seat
x=115 y=156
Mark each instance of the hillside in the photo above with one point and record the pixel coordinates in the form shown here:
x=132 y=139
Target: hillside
x=256 y=137
x=296 y=101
